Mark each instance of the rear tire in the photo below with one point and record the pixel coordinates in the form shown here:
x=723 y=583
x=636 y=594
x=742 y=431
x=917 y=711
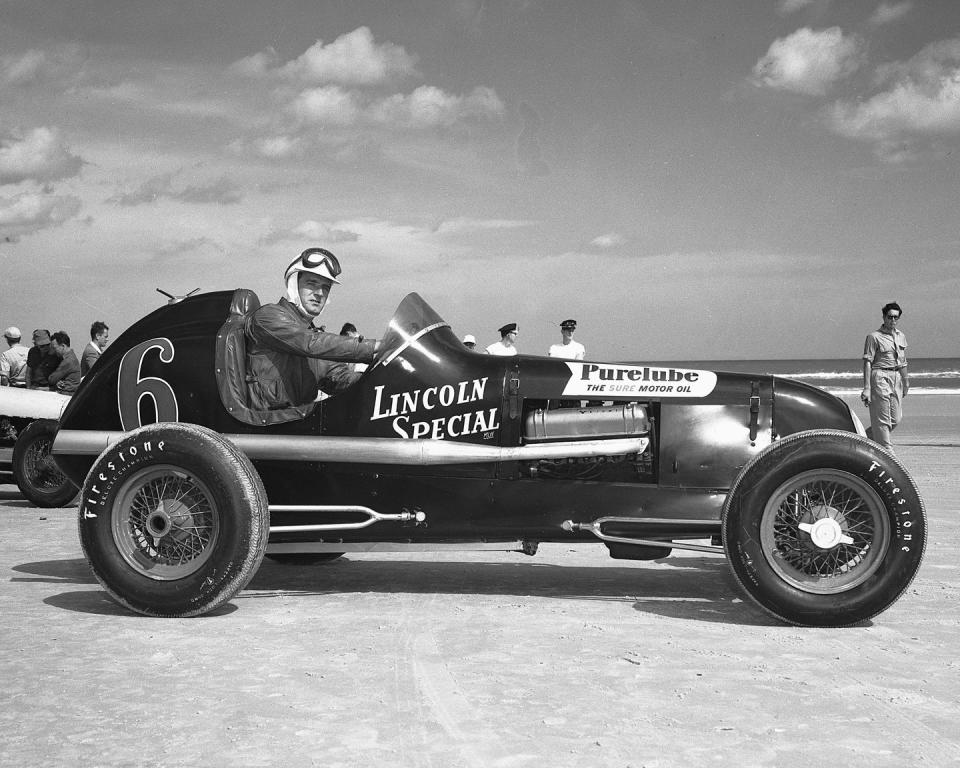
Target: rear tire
x=34 y=469
x=824 y=528
x=173 y=520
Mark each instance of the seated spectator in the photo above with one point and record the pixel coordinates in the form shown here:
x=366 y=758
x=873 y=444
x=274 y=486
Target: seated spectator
x=66 y=377
x=41 y=360
x=470 y=341
x=99 y=336
x=13 y=360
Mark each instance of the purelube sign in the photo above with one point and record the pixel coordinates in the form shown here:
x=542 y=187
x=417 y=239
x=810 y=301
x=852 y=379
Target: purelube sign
x=605 y=379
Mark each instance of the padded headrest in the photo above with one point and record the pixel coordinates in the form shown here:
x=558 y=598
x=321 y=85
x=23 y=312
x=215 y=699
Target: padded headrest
x=244 y=302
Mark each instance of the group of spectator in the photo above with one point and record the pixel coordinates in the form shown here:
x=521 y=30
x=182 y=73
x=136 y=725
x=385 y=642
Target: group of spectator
x=50 y=363
x=567 y=348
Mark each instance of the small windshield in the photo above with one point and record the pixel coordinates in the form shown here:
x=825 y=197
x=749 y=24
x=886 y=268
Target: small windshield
x=413 y=319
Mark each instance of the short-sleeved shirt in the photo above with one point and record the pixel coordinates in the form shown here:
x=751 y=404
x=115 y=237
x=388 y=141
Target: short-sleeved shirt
x=885 y=350
x=572 y=351
x=501 y=349
x=13 y=365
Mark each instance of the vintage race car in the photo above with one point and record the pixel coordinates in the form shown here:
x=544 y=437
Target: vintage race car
x=185 y=488
x=28 y=423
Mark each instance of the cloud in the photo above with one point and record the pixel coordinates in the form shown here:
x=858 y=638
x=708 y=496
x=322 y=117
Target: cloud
x=279 y=147
x=30 y=212
x=430 y=107
x=312 y=231
x=920 y=98
x=38 y=155
x=353 y=59
x=38 y=66
x=221 y=191
x=467 y=225
x=808 y=61
x=610 y=240
x=329 y=105
x=425 y=107
x=148 y=192
x=887 y=13
x=257 y=65
x=792 y=6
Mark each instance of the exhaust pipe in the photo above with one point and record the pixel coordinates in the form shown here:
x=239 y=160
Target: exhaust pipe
x=372 y=450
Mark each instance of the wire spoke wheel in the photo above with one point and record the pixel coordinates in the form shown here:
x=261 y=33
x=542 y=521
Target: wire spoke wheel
x=824 y=528
x=824 y=531
x=36 y=471
x=40 y=470
x=165 y=523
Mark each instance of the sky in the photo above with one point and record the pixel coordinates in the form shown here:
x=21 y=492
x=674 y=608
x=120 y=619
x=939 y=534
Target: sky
x=736 y=179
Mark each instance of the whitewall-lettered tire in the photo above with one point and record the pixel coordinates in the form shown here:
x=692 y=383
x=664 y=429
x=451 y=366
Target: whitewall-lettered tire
x=824 y=528
x=173 y=520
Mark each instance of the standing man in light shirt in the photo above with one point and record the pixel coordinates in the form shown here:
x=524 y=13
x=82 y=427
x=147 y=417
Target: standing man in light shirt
x=568 y=349
x=508 y=341
x=885 y=380
x=99 y=337
x=13 y=360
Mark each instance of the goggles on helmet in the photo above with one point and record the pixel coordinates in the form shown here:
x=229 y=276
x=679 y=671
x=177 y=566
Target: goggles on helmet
x=317 y=260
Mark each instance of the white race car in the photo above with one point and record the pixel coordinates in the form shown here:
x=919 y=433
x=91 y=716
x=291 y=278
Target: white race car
x=28 y=423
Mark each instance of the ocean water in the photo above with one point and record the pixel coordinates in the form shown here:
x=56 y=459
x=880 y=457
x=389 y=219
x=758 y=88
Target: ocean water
x=928 y=375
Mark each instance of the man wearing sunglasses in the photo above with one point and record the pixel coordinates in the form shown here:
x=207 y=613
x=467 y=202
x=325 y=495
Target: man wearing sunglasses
x=288 y=359
x=885 y=381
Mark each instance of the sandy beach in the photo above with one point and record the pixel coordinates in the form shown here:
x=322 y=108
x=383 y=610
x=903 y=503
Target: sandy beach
x=568 y=658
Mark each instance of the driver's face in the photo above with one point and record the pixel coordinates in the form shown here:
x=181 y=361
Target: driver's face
x=314 y=291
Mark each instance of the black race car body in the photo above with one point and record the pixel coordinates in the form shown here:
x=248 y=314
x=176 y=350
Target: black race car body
x=436 y=445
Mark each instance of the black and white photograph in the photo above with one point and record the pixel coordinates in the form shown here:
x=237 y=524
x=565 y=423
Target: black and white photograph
x=479 y=383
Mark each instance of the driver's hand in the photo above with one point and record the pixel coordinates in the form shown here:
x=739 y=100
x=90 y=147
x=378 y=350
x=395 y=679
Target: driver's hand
x=865 y=396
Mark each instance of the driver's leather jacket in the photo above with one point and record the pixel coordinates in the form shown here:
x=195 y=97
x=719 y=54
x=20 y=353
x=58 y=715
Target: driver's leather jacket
x=288 y=359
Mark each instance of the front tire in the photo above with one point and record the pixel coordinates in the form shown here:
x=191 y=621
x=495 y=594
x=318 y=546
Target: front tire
x=824 y=528
x=173 y=520
x=34 y=470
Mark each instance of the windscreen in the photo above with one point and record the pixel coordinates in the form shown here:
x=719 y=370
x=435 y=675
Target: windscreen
x=413 y=319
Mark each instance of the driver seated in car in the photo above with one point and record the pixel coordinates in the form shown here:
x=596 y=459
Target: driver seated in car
x=288 y=359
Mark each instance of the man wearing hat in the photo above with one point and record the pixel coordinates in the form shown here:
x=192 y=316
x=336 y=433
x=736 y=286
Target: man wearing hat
x=41 y=360
x=568 y=349
x=288 y=359
x=13 y=360
x=507 y=344
x=470 y=341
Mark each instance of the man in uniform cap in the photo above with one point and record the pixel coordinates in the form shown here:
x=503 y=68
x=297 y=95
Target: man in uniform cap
x=568 y=349
x=13 y=360
x=41 y=360
x=288 y=359
x=470 y=341
x=507 y=344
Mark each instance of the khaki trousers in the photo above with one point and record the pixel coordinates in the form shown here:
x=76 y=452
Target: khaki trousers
x=886 y=404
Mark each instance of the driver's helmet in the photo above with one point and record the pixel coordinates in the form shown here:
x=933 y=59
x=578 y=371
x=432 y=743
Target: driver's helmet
x=320 y=261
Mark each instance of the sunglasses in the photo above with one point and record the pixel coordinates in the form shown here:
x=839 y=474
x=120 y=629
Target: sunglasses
x=893 y=317
x=314 y=257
